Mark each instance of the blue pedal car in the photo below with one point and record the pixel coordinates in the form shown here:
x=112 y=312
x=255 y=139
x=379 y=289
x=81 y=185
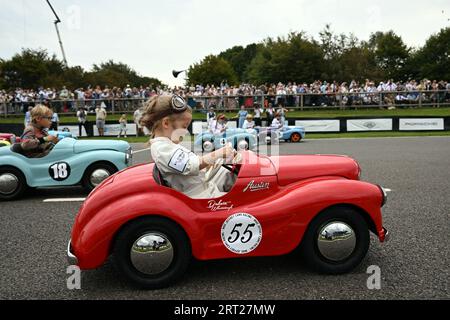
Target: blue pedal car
x=241 y=139
x=61 y=134
x=287 y=133
x=70 y=162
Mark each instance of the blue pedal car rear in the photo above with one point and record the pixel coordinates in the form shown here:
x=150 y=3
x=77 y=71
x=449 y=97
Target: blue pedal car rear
x=70 y=162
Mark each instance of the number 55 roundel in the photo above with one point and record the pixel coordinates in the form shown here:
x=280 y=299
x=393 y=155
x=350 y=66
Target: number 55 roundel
x=241 y=233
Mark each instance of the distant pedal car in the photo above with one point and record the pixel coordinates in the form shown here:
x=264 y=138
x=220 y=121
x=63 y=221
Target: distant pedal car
x=70 y=162
x=241 y=139
x=61 y=134
x=10 y=137
x=313 y=202
x=287 y=133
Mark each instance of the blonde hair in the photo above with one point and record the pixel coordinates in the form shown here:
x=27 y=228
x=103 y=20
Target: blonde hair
x=155 y=110
x=40 y=111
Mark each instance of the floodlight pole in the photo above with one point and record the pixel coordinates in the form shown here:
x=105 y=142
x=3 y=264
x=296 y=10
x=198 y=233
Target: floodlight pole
x=57 y=32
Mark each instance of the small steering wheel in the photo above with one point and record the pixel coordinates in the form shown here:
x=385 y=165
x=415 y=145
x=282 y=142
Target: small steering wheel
x=213 y=169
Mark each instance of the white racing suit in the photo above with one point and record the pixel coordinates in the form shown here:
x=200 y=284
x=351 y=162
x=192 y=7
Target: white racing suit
x=180 y=168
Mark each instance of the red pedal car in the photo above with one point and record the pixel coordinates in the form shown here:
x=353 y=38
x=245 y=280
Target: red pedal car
x=314 y=202
x=9 y=137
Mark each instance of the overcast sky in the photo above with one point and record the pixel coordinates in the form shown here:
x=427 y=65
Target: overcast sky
x=155 y=37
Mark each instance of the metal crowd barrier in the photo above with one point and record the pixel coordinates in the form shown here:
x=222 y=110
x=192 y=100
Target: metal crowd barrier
x=302 y=101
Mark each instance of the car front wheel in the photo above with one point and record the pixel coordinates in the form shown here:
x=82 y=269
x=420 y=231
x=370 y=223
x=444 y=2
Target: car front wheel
x=152 y=252
x=95 y=174
x=336 y=241
x=296 y=137
x=12 y=183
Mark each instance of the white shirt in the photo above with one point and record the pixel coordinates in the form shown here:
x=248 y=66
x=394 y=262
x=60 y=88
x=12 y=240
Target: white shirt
x=216 y=127
x=276 y=124
x=248 y=124
x=181 y=169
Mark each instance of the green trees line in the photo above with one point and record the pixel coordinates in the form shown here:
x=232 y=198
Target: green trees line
x=300 y=58
x=31 y=69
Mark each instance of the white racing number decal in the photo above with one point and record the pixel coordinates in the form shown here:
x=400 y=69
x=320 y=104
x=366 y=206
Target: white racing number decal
x=223 y=141
x=241 y=233
x=59 y=171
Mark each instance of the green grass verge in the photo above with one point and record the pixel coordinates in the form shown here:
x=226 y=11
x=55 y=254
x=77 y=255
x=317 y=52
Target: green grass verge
x=320 y=113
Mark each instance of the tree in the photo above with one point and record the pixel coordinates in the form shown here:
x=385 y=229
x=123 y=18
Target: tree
x=391 y=54
x=432 y=61
x=295 y=58
x=212 y=70
x=30 y=69
x=239 y=58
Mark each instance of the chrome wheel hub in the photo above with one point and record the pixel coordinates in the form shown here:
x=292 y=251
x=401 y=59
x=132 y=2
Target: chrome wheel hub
x=208 y=146
x=336 y=241
x=242 y=145
x=8 y=183
x=97 y=176
x=152 y=253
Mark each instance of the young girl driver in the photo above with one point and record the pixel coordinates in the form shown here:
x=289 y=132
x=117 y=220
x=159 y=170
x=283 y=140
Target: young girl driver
x=167 y=118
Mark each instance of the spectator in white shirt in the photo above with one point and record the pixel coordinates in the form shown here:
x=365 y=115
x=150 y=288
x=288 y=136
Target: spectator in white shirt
x=218 y=126
x=248 y=123
x=276 y=123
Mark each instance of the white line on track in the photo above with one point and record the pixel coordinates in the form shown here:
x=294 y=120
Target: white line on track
x=65 y=200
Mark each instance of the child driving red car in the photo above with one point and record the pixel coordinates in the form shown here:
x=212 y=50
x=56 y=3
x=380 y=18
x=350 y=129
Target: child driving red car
x=167 y=118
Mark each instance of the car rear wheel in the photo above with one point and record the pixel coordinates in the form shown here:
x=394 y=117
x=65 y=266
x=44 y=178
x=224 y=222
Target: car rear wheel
x=296 y=137
x=336 y=241
x=96 y=173
x=12 y=183
x=207 y=146
x=152 y=252
x=242 y=145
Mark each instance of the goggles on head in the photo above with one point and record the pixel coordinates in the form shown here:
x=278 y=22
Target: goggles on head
x=178 y=104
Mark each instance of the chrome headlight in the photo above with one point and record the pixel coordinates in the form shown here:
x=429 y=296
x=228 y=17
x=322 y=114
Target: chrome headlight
x=384 y=195
x=128 y=156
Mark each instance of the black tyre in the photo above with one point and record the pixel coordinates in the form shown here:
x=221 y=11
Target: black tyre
x=12 y=183
x=152 y=252
x=96 y=173
x=336 y=241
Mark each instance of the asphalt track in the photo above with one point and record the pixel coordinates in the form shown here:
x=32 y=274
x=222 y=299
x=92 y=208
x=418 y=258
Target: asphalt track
x=414 y=264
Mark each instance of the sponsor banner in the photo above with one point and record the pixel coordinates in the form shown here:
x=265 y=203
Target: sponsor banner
x=114 y=129
x=231 y=124
x=199 y=126
x=74 y=130
x=421 y=124
x=319 y=125
x=369 y=125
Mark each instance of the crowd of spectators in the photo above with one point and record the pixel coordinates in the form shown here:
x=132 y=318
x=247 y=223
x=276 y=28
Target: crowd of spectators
x=316 y=94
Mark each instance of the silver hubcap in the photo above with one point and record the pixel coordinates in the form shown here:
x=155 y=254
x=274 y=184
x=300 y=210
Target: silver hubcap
x=152 y=253
x=98 y=176
x=336 y=241
x=242 y=145
x=8 y=183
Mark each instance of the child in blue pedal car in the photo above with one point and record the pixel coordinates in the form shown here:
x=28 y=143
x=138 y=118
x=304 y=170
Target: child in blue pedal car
x=36 y=143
